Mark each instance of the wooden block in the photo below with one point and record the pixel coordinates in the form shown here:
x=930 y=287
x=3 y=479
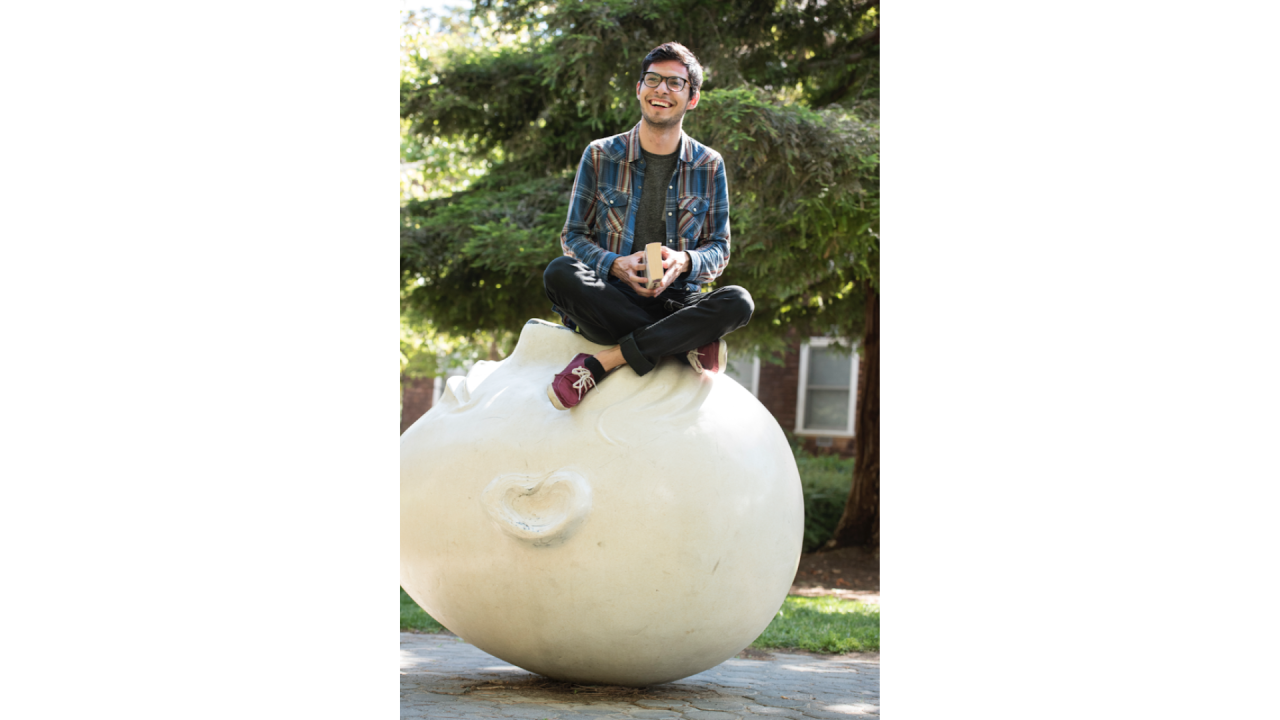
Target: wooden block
x=653 y=259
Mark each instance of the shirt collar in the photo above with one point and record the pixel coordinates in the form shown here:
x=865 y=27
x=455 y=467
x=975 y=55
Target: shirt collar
x=633 y=145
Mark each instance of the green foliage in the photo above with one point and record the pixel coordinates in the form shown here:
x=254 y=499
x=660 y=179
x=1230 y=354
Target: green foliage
x=569 y=75
x=823 y=624
x=433 y=165
x=825 y=481
x=830 y=49
x=414 y=618
x=427 y=352
x=804 y=192
x=482 y=96
x=474 y=261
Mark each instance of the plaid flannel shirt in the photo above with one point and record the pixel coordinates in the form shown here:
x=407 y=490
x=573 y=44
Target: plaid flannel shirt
x=606 y=195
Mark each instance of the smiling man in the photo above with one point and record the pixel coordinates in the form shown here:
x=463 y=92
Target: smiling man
x=651 y=184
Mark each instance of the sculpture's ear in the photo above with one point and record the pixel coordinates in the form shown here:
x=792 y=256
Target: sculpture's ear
x=458 y=389
x=455 y=393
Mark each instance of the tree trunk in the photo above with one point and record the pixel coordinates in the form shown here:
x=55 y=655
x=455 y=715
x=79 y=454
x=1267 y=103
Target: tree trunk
x=860 y=522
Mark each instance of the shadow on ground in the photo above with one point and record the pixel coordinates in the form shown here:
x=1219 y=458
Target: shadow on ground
x=442 y=677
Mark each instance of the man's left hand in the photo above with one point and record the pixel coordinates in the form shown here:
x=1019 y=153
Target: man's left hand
x=674 y=262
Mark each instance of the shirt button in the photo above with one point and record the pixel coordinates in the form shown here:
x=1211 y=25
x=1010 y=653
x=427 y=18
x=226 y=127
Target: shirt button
x=668 y=214
x=671 y=187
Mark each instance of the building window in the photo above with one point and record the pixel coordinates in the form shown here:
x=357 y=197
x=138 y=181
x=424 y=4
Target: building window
x=746 y=370
x=828 y=385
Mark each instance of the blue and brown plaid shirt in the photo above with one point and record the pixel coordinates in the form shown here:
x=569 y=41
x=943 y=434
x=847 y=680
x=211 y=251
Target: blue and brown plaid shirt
x=606 y=196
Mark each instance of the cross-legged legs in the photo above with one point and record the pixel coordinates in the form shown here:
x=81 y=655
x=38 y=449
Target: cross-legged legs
x=644 y=329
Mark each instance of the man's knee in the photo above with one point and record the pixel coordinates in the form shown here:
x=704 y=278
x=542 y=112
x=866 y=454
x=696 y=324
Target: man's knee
x=738 y=304
x=559 y=271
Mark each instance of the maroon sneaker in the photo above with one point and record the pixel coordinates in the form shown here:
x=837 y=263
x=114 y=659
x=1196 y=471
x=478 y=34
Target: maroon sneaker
x=570 y=384
x=710 y=358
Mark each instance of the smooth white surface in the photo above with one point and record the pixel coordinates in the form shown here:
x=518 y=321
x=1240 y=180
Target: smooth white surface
x=554 y=539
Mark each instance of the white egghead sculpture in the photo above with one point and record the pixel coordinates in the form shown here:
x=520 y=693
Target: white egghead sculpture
x=646 y=535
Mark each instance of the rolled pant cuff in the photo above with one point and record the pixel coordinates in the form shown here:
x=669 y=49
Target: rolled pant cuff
x=633 y=356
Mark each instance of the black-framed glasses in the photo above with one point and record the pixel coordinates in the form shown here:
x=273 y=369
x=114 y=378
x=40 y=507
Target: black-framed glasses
x=675 y=82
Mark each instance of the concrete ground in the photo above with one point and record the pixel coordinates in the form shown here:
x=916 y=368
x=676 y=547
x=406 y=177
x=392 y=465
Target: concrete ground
x=443 y=677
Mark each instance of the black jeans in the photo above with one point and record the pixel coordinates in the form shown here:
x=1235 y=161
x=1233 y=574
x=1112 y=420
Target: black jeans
x=647 y=329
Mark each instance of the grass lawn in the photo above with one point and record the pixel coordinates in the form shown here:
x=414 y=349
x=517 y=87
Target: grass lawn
x=822 y=624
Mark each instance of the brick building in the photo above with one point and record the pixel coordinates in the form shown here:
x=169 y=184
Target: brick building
x=811 y=393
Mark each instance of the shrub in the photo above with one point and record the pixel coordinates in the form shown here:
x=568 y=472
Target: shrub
x=825 y=481
x=823 y=624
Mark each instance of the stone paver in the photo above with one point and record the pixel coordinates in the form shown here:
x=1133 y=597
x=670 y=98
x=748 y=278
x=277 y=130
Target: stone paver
x=443 y=677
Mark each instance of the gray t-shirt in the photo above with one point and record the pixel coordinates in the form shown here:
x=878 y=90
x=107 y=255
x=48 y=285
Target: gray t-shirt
x=651 y=217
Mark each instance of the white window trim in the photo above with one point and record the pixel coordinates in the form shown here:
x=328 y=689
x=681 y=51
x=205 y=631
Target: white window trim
x=754 y=389
x=801 y=389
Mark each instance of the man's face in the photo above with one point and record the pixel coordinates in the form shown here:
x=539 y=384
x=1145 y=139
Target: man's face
x=660 y=106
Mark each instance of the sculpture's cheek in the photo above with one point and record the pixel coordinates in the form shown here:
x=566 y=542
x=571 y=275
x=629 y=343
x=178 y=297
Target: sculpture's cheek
x=542 y=510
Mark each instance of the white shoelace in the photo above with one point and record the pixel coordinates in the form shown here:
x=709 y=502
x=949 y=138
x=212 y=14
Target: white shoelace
x=695 y=360
x=584 y=381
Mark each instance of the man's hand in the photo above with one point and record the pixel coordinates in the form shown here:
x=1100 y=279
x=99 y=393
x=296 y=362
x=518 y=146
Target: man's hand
x=674 y=262
x=627 y=268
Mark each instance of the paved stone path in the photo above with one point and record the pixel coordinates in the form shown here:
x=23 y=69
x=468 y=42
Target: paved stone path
x=443 y=677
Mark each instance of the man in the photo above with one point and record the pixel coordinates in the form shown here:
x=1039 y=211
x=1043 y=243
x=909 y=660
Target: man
x=651 y=184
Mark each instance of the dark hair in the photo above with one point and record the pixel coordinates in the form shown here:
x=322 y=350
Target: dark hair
x=680 y=53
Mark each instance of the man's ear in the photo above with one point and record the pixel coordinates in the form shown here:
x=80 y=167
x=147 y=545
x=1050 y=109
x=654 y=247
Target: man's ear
x=693 y=101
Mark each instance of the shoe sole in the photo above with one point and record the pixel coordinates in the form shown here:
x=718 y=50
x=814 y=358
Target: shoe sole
x=551 y=394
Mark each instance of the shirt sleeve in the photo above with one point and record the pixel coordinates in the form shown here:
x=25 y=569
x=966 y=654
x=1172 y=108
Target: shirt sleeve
x=709 y=259
x=577 y=240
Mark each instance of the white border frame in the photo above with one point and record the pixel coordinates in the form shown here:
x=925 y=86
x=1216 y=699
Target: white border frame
x=802 y=386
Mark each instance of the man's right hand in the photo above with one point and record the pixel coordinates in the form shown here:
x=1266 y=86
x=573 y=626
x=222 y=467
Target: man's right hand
x=627 y=268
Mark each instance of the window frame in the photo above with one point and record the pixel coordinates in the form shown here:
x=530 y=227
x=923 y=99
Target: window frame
x=802 y=388
x=754 y=389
